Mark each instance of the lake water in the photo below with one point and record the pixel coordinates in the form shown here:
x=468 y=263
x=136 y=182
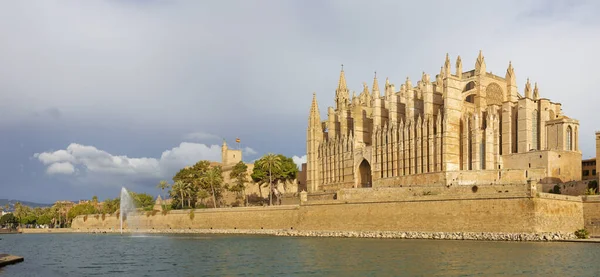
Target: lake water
x=239 y=255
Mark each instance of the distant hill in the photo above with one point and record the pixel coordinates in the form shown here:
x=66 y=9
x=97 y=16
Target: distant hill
x=11 y=203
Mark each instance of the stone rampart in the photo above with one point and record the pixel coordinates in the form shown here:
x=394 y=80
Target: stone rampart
x=591 y=214
x=493 y=209
x=463 y=178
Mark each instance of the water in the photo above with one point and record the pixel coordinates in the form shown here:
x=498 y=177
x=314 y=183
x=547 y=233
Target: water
x=126 y=206
x=226 y=255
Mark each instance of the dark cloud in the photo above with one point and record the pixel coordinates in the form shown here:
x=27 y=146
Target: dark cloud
x=134 y=78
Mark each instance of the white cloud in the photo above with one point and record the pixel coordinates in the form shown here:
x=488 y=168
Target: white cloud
x=299 y=161
x=249 y=151
x=95 y=163
x=202 y=136
x=61 y=168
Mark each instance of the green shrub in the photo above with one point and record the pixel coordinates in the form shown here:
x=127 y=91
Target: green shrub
x=593 y=184
x=85 y=218
x=192 y=214
x=103 y=217
x=590 y=191
x=582 y=234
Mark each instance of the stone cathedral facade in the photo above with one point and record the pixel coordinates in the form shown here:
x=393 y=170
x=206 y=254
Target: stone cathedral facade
x=459 y=128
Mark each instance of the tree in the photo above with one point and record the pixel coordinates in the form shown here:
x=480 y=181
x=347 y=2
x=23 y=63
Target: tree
x=8 y=220
x=178 y=190
x=273 y=162
x=19 y=211
x=193 y=176
x=200 y=196
x=142 y=200
x=110 y=206
x=189 y=191
x=239 y=173
x=82 y=209
x=268 y=170
x=213 y=179
x=163 y=185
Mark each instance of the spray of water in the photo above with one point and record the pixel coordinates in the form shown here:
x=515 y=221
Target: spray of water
x=127 y=206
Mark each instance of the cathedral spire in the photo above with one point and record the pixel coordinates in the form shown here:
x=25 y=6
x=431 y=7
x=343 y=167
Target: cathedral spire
x=536 y=93
x=408 y=84
x=376 y=93
x=528 y=89
x=510 y=74
x=342 y=81
x=314 y=117
x=447 y=67
x=342 y=97
x=388 y=88
x=458 y=67
x=480 y=64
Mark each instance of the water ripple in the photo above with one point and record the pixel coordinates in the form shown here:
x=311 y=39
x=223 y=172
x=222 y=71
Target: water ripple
x=220 y=255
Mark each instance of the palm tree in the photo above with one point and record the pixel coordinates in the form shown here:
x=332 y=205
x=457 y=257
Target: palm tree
x=213 y=177
x=188 y=190
x=163 y=185
x=273 y=162
x=178 y=188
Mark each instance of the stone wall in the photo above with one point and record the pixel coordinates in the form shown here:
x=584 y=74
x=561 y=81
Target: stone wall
x=512 y=209
x=557 y=212
x=561 y=166
x=591 y=214
x=276 y=217
x=463 y=178
x=574 y=188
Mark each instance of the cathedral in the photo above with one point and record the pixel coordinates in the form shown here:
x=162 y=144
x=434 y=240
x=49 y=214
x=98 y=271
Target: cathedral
x=460 y=128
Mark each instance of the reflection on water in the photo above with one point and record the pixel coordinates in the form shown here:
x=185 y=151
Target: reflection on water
x=222 y=255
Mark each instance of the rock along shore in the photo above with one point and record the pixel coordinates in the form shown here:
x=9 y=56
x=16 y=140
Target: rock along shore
x=487 y=236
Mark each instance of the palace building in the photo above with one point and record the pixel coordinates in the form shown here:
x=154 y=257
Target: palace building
x=459 y=128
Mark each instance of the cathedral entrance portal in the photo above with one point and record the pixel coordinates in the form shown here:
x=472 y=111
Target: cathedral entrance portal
x=364 y=170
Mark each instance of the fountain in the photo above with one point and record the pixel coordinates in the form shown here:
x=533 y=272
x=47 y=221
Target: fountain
x=127 y=205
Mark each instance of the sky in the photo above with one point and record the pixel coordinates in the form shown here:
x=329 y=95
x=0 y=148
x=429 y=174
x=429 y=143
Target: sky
x=96 y=95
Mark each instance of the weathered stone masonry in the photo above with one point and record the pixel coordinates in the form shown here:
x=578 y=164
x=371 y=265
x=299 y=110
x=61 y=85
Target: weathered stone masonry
x=467 y=121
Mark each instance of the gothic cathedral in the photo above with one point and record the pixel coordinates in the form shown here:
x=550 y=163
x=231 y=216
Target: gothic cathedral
x=464 y=128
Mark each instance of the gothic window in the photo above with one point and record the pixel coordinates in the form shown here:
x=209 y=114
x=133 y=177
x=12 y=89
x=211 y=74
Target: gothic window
x=534 y=131
x=469 y=86
x=470 y=98
x=494 y=94
x=569 y=138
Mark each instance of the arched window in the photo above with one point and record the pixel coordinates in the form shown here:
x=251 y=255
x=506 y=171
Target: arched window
x=469 y=86
x=534 y=131
x=470 y=98
x=569 y=138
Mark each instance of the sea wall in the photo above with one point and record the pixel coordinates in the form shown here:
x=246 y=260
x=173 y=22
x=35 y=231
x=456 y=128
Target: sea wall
x=491 y=209
x=591 y=214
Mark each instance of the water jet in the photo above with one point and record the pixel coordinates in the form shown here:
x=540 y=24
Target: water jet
x=126 y=205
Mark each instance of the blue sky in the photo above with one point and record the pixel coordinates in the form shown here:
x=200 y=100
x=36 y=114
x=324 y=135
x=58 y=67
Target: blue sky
x=95 y=95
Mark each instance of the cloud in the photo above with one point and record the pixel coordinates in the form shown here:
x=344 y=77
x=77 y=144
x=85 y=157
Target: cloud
x=143 y=78
x=249 y=151
x=299 y=161
x=93 y=162
x=61 y=168
x=201 y=136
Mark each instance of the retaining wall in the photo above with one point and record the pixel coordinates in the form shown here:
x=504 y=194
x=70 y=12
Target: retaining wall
x=510 y=209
